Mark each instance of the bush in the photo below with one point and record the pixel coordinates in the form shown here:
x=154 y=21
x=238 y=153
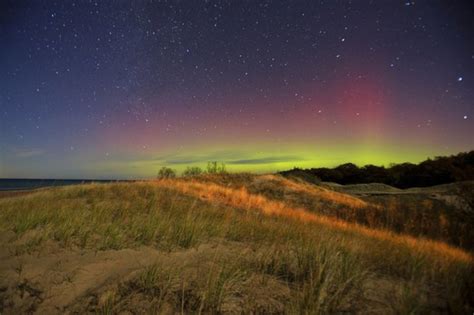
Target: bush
x=216 y=168
x=166 y=172
x=440 y=170
x=192 y=171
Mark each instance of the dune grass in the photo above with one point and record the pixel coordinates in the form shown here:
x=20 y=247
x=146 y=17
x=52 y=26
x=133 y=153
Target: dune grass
x=327 y=265
x=417 y=213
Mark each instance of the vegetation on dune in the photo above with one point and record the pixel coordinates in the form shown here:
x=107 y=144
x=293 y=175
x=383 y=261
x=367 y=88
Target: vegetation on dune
x=265 y=255
x=216 y=168
x=418 y=215
x=166 y=172
x=192 y=171
x=440 y=170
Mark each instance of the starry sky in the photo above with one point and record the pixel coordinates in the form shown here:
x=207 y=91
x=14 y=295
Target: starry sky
x=117 y=89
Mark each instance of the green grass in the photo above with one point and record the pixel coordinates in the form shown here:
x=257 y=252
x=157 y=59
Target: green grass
x=325 y=269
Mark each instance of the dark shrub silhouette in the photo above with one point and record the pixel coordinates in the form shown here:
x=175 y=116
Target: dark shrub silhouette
x=216 y=168
x=166 y=172
x=440 y=170
x=192 y=171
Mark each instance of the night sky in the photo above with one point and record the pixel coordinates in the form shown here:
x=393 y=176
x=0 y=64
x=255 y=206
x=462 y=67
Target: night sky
x=117 y=89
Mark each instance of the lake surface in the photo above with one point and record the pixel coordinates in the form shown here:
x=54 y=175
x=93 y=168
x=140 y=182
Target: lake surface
x=22 y=184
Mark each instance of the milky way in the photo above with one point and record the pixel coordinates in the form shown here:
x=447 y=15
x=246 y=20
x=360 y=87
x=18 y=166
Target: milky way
x=116 y=89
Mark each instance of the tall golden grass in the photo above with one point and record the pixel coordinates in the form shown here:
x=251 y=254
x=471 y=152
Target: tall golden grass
x=318 y=192
x=326 y=265
x=416 y=213
x=242 y=199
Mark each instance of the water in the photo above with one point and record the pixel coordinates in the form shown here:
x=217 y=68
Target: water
x=22 y=184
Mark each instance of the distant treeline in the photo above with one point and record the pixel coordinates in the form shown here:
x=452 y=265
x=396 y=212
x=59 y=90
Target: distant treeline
x=440 y=170
x=213 y=167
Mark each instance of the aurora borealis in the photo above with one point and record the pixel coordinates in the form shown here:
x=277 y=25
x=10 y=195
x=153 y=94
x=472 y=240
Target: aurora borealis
x=116 y=89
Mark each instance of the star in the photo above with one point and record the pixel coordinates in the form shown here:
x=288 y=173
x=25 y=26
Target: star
x=152 y=79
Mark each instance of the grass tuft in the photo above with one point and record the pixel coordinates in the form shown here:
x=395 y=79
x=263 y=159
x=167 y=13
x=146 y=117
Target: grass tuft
x=318 y=264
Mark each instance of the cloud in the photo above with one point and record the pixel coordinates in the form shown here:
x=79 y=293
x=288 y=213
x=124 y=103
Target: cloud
x=179 y=161
x=229 y=157
x=24 y=153
x=236 y=160
x=266 y=160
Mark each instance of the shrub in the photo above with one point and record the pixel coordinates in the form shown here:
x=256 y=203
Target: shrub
x=192 y=171
x=216 y=168
x=440 y=170
x=166 y=172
